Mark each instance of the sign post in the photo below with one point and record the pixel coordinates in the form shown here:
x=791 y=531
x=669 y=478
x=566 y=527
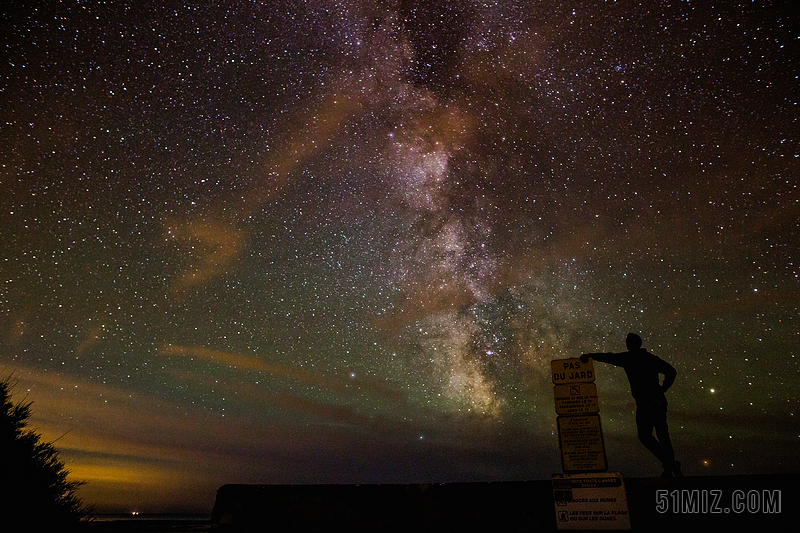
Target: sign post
x=579 y=434
x=585 y=496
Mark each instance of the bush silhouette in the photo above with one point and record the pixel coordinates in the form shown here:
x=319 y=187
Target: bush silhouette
x=35 y=493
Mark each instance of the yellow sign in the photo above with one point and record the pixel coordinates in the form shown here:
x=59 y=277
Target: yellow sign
x=591 y=501
x=579 y=433
x=581 y=440
x=571 y=370
x=576 y=399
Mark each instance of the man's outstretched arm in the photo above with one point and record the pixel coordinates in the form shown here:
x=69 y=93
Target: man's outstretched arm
x=603 y=357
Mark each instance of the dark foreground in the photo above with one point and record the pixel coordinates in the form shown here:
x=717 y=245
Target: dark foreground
x=153 y=524
x=689 y=504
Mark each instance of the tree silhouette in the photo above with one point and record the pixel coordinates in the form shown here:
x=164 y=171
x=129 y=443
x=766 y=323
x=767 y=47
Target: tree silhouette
x=35 y=493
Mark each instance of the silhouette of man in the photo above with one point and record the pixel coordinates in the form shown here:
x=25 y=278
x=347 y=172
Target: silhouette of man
x=643 y=369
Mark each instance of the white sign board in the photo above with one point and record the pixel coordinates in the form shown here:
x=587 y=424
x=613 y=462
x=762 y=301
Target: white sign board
x=591 y=501
x=581 y=440
x=576 y=399
x=571 y=370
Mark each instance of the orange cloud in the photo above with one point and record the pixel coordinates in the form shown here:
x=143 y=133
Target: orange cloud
x=248 y=362
x=316 y=128
x=255 y=394
x=421 y=302
x=128 y=447
x=94 y=336
x=214 y=246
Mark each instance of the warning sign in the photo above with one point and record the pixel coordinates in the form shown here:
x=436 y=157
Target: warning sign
x=571 y=370
x=579 y=434
x=581 y=441
x=591 y=501
x=576 y=399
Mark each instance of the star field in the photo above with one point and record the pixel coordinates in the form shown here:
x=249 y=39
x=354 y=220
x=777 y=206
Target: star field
x=341 y=242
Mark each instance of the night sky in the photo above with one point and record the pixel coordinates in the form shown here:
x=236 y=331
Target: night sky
x=340 y=242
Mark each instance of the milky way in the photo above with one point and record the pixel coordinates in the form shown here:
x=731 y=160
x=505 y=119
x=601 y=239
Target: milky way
x=314 y=242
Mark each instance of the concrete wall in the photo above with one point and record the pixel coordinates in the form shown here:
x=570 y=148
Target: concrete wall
x=506 y=506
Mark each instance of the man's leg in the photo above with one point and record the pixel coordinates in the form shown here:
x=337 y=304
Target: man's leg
x=645 y=425
x=662 y=432
x=653 y=416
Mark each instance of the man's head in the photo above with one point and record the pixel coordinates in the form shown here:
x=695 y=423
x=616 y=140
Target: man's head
x=633 y=342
